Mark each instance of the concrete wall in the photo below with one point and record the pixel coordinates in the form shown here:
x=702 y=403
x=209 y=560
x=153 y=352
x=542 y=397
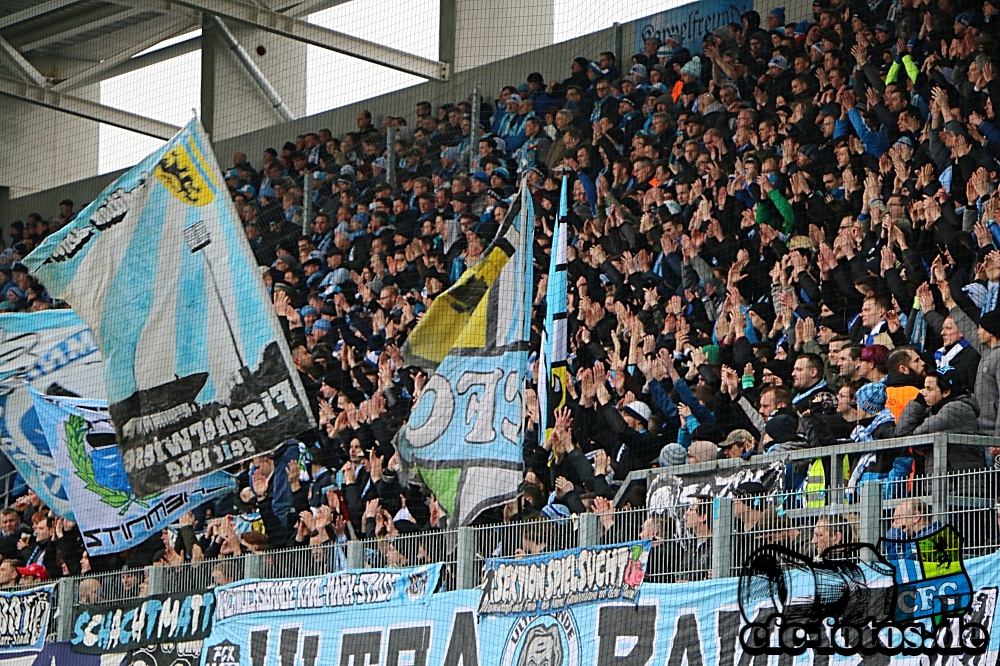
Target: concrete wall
x=46 y=204
x=42 y=147
x=511 y=27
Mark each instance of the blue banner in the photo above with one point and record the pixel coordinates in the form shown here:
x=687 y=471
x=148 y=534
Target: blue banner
x=697 y=624
x=82 y=442
x=197 y=372
x=48 y=349
x=24 y=618
x=691 y=22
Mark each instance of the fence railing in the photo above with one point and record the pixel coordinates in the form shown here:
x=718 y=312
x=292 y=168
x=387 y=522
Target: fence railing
x=937 y=447
x=693 y=540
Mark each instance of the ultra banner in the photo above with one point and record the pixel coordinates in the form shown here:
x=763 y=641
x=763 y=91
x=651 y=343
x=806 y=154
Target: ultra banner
x=50 y=350
x=196 y=371
x=543 y=583
x=127 y=625
x=692 y=624
x=82 y=442
x=24 y=619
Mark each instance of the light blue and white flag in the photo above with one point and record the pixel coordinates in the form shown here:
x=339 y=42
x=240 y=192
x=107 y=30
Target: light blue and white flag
x=112 y=518
x=553 y=373
x=465 y=433
x=55 y=352
x=197 y=373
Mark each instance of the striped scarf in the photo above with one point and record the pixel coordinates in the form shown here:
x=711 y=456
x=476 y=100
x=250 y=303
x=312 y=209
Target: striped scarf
x=865 y=433
x=944 y=358
x=990 y=302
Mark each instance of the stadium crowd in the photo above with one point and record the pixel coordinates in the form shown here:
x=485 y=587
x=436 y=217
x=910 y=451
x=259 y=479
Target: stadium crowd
x=787 y=242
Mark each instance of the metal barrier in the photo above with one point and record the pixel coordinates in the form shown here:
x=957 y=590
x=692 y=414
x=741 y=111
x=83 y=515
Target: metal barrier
x=833 y=457
x=692 y=540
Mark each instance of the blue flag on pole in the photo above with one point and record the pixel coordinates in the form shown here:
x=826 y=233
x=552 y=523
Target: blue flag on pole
x=465 y=434
x=82 y=441
x=197 y=373
x=54 y=351
x=554 y=341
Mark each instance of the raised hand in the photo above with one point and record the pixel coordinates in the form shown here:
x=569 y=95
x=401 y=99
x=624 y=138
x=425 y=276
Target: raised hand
x=375 y=467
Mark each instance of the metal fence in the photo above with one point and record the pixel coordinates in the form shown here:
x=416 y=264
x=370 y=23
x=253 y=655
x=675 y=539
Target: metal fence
x=693 y=540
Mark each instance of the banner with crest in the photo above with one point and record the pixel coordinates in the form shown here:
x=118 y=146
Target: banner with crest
x=82 y=441
x=197 y=374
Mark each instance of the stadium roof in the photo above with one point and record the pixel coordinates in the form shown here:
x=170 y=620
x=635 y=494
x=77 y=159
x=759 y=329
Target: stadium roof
x=51 y=49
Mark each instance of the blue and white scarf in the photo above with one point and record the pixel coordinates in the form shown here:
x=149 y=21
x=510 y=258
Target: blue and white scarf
x=992 y=294
x=864 y=433
x=944 y=358
x=876 y=331
x=918 y=334
x=802 y=396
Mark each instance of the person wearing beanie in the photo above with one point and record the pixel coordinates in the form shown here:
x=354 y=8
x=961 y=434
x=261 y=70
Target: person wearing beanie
x=782 y=434
x=638 y=447
x=984 y=338
x=876 y=421
x=691 y=71
x=702 y=451
x=776 y=19
x=673 y=454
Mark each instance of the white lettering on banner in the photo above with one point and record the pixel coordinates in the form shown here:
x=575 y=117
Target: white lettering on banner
x=480 y=410
x=229 y=421
x=333 y=591
x=439 y=414
x=80 y=344
x=154 y=620
x=482 y=404
x=24 y=618
x=511 y=430
x=554 y=583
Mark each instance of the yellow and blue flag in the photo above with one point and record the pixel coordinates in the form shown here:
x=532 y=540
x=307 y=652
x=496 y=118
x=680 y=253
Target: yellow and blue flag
x=465 y=433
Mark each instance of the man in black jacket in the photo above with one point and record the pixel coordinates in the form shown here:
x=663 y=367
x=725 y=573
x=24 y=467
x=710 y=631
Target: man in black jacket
x=10 y=534
x=44 y=550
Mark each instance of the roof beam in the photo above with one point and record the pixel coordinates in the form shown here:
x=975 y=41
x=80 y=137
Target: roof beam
x=84 y=108
x=34 y=12
x=307 y=7
x=61 y=30
x=121 y=62
x=20 y=64
x=300 y=30
x=272 y=95
x=132 y=64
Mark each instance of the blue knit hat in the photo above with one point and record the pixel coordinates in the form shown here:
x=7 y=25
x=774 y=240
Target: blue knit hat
x=871 y=397
x=779 y=13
